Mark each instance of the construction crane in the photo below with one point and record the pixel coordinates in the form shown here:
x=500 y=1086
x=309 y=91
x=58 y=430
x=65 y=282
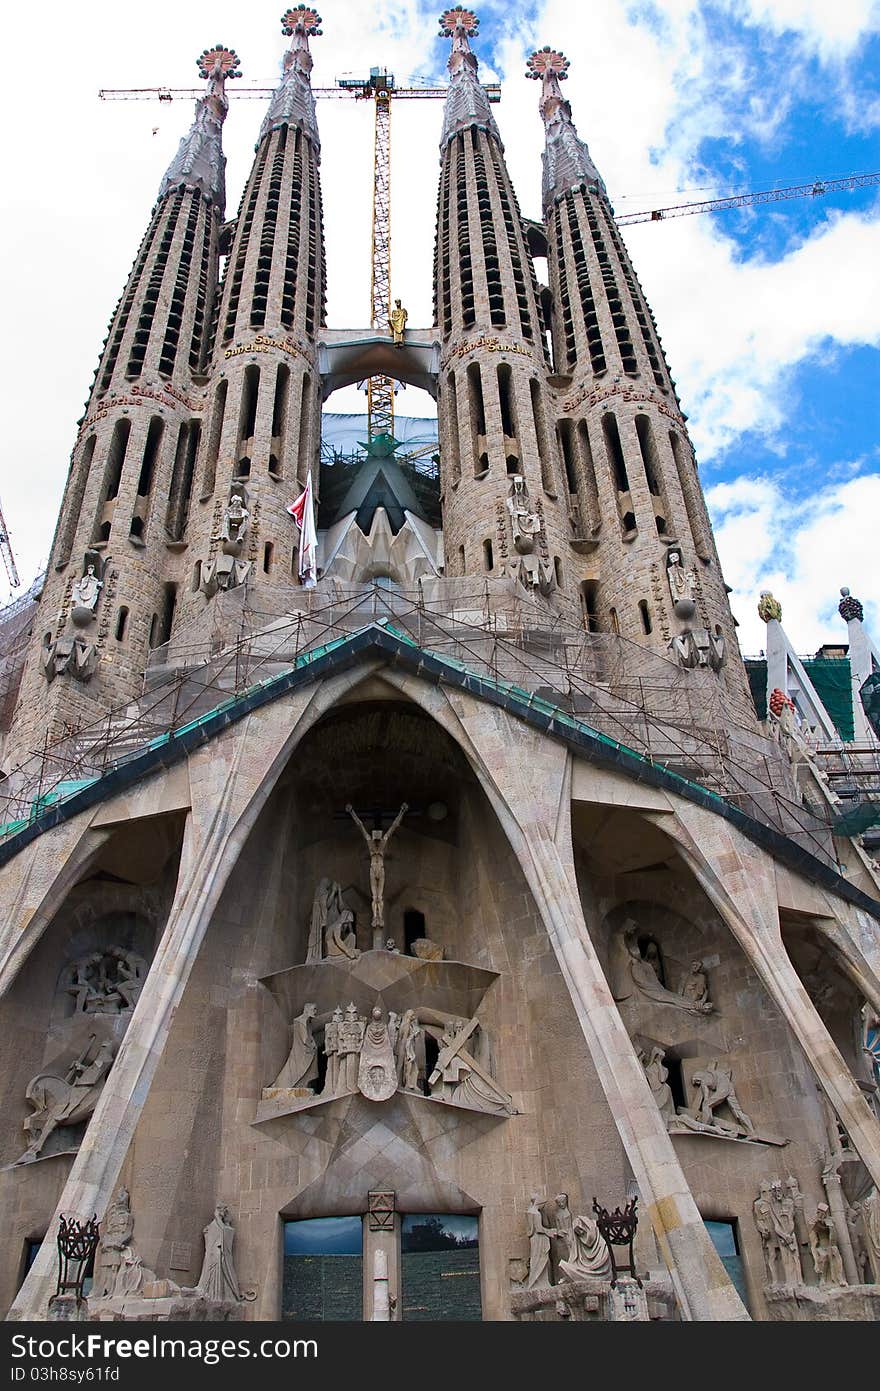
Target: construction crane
x=8 y=557
x=380 y=88
x=817 y=189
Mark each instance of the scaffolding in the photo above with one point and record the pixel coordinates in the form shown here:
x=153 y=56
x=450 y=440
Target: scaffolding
x=674 y=719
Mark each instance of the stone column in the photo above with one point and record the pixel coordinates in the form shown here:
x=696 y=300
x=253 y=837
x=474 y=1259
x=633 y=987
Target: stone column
x=230 y=779
x=837 y=1204
x=527 y=779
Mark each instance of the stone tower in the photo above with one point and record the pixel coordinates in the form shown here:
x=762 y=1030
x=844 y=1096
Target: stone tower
x=263 y=400
x=505 y=511
x=649 y=568
x=460 y=875
x=111 y=584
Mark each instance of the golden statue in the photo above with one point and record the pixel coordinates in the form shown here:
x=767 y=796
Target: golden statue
x=397 y=322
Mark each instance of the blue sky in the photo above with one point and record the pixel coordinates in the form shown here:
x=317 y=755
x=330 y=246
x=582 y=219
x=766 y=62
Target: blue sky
x=770 y=317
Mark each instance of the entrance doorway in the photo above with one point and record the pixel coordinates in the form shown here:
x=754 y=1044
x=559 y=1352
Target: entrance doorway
x=440 y=1268
x=323 y=1270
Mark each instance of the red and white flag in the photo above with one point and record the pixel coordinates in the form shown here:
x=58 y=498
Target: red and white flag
x=303 y=513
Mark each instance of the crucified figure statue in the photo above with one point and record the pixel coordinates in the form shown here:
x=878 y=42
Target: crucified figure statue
x=377 y=844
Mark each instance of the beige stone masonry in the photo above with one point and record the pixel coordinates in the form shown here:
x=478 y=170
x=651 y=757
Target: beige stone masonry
x=739 y=881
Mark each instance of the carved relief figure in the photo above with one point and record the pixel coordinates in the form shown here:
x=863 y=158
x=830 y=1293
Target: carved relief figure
x=107 y=982
x=218 y=1279
x=824 y=1249
x=782 y=1212
x=871 y=1223
x=589 y=1257
x=117 y=1230
x=86 y=591
x=681 y=584
x=327 y=903
x=301 y=1067
x=351 y=1038
x=377 y=845
x=331 y=1050
x=657 y=1076
x=65 y=1100
x=341 y=938
x=636 y=976
x=694 y=986
x=235 y=524
x=525 y=524
x=766 y=1231
x=377 y=1070
x=539 y=1246
x=411 y=1052
x=716 y=1090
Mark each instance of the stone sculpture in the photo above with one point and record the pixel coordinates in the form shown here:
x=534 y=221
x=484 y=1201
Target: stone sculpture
x=769 y=609
x=589 y=1258
x=774 y=1211
x=694 y=986
x=657 y=1076
x=379 y=1055
x=301 y=1067
x=351 y=1038
x=824 y=1249
x=716 y=1089
x=426 y=950
x=539 y=1246
x=68 y=656
x=636 y=976
x=397 y=323
x=218 y=1279
x=235 y=522
x=117 y=1230
x=65 y=1099
x=871 y=1223
x=465 y=1077
x=377 y=846
x=108 y=982
x=525 y=524
x=86 y=591
x=681 y=585
x=328 y=903
x=410 y=1052
x=377 y=1070
x=331 y=1050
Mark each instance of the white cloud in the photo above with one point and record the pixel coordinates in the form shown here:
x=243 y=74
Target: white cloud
x=801 y=550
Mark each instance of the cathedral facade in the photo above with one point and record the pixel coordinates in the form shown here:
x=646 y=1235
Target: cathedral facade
x=408 y=914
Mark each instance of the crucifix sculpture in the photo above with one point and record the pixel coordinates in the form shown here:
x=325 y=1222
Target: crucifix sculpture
x=377 y=844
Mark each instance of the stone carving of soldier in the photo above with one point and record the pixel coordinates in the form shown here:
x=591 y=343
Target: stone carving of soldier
x=351 y=1038
x=331 y=1050
x=301 y=1067
x=539 y=1246
x=782 y=1211
x=130 y=973
x=117 y=1230
x=218 y=1279
x=824 y=1249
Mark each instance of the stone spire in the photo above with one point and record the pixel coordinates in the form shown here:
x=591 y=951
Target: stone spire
x=467 y=103
x=567 y=162
x=293 y=103
x=200 y=162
